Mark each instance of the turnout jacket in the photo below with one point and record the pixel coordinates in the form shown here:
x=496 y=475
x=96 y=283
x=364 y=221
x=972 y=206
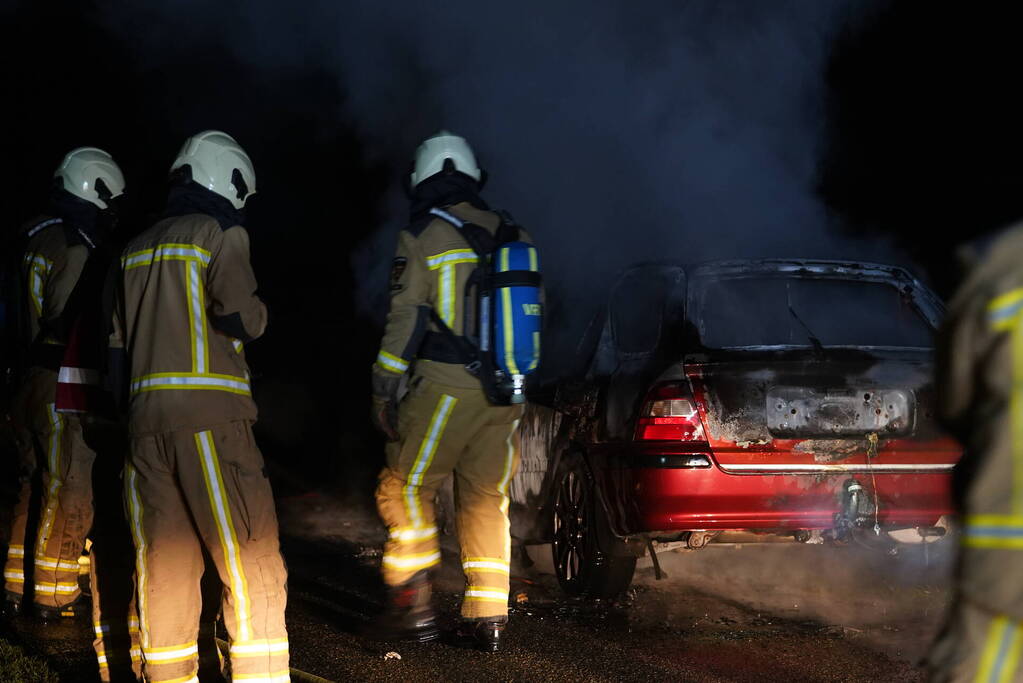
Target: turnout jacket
x=431 y=266
x=187 y=305
x=980 y=393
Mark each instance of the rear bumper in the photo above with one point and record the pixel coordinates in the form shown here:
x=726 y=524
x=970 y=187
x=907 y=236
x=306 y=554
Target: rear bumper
x=645 y=497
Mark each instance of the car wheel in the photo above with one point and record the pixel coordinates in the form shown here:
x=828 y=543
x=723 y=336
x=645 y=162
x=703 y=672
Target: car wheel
x=582 y=566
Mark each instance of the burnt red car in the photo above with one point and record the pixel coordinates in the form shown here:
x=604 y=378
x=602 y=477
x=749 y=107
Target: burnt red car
x=774 y=397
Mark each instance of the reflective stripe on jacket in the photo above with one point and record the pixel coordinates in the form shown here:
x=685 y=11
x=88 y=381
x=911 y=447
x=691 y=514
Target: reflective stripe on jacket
x=187 y=304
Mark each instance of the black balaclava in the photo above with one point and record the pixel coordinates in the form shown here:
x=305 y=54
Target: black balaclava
x=187 y=196
x=85 y=223
x=445 y=189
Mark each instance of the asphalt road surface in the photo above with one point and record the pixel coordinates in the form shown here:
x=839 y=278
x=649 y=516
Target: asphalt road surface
x=762 y=612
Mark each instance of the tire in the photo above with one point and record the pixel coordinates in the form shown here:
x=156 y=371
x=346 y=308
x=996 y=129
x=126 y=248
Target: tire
x=588 y=560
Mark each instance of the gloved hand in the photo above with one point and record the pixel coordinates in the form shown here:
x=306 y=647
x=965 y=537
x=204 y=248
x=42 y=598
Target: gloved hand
x=385 y=404
x=385 y=417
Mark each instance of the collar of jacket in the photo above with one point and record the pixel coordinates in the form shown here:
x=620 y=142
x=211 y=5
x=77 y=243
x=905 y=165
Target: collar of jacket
x=82 y=224
x=191 y=197
x=443 y=191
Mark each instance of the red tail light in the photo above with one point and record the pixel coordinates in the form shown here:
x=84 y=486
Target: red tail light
x=669 y=414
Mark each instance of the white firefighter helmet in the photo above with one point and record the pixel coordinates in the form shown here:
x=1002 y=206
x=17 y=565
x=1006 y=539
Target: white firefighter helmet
x=219 y=164
x=91 y=174
x=436 y=150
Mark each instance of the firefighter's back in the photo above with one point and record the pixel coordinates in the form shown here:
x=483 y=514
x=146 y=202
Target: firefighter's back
x=184 y=373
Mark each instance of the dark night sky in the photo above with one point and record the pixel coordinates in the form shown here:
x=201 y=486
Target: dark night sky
x=616 y=132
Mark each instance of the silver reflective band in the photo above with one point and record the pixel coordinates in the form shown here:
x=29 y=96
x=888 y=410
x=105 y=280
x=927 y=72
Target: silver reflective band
x=44 y=224
x=78 y=376
x=858 y=469
x=450 y=218
x=206 y=382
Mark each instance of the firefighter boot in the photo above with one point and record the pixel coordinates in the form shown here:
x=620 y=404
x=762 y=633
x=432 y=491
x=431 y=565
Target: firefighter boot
x=11 y=606
x=408 y=615
x=483 y=634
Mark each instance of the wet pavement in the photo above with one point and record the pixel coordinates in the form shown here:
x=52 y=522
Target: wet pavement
x=730 y=613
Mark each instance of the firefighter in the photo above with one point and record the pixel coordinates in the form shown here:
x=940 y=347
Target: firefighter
x=58 y=246
x=195 y=476
x=445 y=424
x=980 y=389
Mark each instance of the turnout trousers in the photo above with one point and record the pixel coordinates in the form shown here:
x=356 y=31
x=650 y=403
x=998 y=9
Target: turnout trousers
x=188 y=489
x=54 y=443
x=112 y=562
x=442 y=430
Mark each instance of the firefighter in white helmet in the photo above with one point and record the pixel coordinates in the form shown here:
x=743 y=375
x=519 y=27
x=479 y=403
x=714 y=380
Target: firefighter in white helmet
x=445 y=424
x=195 y=477
x=53 y=250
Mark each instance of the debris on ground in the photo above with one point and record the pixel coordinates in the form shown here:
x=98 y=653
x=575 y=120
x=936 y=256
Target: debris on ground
x=392 y=655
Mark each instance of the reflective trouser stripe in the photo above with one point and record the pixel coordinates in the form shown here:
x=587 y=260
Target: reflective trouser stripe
x=427 y=449
x=53 y=458
x=486 y=564
x=1000 y=657
x=54 y=563
x=486 y=594
x=410 y=534
x=171 y=654
x=14 y=576
x=412 y=562
x=226 y=532
x=141 y=548
x=16 y=551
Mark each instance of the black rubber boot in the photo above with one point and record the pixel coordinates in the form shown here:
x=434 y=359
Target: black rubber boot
x=72 y=610
x=482 y=634
x=11 y=606
x=408 y=615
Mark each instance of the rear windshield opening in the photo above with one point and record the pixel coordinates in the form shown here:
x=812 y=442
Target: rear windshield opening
x=751 y=312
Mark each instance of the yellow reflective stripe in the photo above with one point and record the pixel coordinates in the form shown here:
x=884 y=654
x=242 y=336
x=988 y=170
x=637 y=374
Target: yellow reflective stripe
x=427 y=449
x=38 y=269
x=486 y=564
x=60 y=587
x=509 y=465
x=509 y=325
x=391 y=363
x=486 y=594
x=534 y=264
x=168 y=655
x=225 y=530
x=191 y=381
x=1000 y=656
x=54 y=452
x=407 y=534
x=54 y=563
x=15 y=550
x=1003 y=310
x=165 y=252
x=14 y=575
x=536 y=351
x=238 y=345
x=412 y=562
x=141 y=547
x=446 y=294
x=452 y=257
x=195 y=294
